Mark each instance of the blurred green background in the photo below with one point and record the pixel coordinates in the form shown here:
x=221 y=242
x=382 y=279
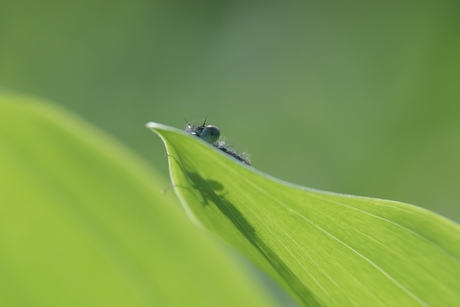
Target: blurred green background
x=346 y=96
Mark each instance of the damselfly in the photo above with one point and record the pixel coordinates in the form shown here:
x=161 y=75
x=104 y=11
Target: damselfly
x=211 y=134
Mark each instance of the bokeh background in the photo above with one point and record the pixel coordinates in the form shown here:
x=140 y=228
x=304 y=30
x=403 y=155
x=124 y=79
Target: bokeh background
x=347 y=96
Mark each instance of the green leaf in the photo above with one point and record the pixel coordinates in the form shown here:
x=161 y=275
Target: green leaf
x=324 y=248
x=83 y=223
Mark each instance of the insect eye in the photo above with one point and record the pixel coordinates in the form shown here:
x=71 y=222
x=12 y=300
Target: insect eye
x=210 y=134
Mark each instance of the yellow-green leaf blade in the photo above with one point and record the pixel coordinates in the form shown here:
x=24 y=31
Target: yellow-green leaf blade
x=83 y=223
x=326 y=249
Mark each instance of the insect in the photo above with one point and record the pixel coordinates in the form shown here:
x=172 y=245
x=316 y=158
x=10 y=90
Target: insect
x=211 y=134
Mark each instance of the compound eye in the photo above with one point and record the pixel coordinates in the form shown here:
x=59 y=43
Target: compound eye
x=210 y=134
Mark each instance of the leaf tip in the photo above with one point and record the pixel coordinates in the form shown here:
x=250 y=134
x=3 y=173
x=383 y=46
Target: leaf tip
x=151 y=125
x=155 y=127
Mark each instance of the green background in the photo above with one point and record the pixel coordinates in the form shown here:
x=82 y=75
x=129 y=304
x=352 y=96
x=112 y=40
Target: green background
x=346 y=96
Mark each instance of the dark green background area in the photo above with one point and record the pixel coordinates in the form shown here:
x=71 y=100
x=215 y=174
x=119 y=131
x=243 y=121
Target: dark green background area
x=346 y=96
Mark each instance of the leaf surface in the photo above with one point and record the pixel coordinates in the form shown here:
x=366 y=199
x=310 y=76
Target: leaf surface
x=83 y=223
x=324 y=248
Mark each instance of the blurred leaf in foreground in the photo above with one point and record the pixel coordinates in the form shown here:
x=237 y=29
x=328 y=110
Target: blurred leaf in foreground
x=83 y=223
x=324 y=248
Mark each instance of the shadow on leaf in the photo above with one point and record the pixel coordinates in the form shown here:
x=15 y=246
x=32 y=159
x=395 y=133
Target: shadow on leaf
x=212 y=192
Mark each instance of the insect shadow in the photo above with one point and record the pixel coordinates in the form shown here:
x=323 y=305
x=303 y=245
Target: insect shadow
x=212 y=192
